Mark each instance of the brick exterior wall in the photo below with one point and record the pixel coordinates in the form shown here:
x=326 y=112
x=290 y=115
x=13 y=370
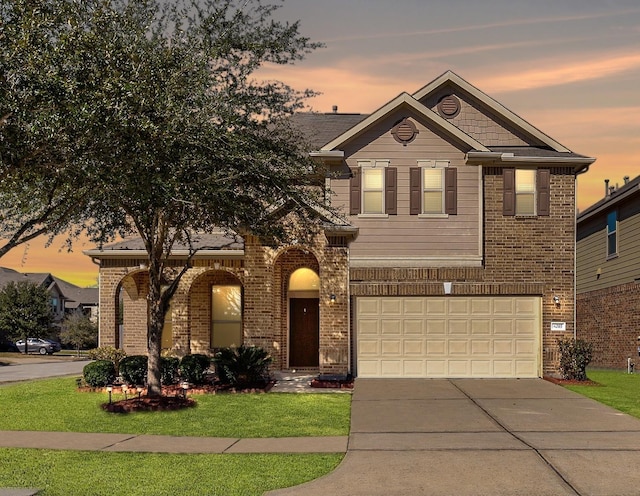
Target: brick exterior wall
x=610 y=320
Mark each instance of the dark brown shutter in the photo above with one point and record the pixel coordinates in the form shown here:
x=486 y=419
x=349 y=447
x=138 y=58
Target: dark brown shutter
x=415 y=190
x=391 y=191
x=451 y=191
x=543 y=185
x=355 y=191
x=509 y=192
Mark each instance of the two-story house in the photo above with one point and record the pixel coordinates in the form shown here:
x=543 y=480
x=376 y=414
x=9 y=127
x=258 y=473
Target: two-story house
x=454 y=256
x=608 y=275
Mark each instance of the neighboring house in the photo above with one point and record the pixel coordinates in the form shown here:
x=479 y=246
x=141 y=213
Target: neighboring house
x=608 y=275
x=65 y=297
x=455 y=257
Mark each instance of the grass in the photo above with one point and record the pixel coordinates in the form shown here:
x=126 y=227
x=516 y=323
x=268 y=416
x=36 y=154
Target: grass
x=615 y=388
x=56 y=405
x=70 y=473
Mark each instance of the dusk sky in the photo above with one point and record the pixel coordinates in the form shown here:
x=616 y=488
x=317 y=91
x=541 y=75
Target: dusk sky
x=569 y=67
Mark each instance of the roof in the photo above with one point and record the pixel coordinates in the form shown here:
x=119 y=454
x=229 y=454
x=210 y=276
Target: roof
x=10 y=275
x=213 y=241
x=611 y=200
x=77 y=296
x=319 y=129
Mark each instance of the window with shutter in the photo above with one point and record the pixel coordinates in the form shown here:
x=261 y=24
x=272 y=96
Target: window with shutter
x=373 y=189
x=527 y=192
x=432 y=189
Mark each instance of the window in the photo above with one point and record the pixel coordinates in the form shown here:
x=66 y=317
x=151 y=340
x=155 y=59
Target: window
x=226 y=316
x=373 y=188
x=526 y=192
x=433 y=188
x=612 y=234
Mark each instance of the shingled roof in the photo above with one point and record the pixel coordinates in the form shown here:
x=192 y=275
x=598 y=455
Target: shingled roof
x=320 y=129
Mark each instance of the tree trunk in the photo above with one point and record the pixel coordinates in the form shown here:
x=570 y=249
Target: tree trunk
x=155 y=323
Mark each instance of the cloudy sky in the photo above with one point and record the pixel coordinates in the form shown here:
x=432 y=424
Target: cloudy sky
x=569 y=67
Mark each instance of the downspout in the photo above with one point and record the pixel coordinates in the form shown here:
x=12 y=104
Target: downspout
x=97 y=262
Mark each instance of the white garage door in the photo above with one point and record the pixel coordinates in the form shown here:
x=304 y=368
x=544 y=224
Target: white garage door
x=448 y=336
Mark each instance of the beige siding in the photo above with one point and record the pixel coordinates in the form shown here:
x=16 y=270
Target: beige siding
x=592 y=256
x=403 y=234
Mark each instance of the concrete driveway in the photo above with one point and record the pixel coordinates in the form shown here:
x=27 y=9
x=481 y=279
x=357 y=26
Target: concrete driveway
x=481 y=437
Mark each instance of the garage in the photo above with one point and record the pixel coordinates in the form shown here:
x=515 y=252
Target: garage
x=448 y=336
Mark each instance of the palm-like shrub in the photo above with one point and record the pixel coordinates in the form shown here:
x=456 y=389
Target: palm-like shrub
x=244 y=365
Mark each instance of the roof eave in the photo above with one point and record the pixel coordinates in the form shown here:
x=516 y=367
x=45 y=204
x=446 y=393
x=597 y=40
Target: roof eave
x=613 y=200
x=175 y=254
x=497 y=159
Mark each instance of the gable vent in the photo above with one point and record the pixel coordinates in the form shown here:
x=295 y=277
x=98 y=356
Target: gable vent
x=449 y=107
x=404 y=131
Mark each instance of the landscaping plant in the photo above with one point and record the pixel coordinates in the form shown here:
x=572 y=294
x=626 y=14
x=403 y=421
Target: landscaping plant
x=575 y=355
x=244 y=365
x=133 y=370
x=193 y=367
x=169 y=370
x=99 y=373
x=108 y=353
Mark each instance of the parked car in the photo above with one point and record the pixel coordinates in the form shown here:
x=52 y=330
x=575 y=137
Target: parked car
x=8 y=346
x=56 y=346
x=37 y=345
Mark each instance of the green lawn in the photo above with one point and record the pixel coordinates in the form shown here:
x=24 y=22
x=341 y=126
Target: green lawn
x=56 y=405
x=615 y=388
x=82 y=473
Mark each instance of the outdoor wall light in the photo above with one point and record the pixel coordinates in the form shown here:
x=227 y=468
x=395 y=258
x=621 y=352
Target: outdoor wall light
x=556 y=300
x=332 y=299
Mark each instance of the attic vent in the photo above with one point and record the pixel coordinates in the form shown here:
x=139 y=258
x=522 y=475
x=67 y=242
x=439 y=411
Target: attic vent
x=449 y=107
x=404 y=131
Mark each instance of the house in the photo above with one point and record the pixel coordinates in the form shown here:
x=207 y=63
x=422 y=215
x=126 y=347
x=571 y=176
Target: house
x=608 y=275
x=65 y=297
x=454 y=256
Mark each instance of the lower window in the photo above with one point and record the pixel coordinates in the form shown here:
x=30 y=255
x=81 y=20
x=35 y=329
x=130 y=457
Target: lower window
x=226 y=316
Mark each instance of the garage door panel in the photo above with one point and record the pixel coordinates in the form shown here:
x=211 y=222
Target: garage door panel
x=448 y=336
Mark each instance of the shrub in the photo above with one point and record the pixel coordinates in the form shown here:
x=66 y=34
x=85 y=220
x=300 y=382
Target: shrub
x=192 y=368
x=244 y=365
x=169 y=370
x=99 y=373
x=108 y=353
x=133 y=369
x=575 y=355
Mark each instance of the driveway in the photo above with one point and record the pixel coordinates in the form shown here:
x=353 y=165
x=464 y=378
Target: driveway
x=481 y=437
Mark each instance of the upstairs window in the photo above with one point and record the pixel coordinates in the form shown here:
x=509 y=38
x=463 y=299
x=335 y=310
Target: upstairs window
x=612 y=234
x=373 y=189
x=526 y=192
x=433 y=188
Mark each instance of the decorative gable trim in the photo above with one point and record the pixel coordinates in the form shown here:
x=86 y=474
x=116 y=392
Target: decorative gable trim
x=450 y=77
x=407 y=101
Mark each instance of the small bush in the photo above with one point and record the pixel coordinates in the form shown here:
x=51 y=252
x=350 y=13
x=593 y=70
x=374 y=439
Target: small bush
x=108 y=353
x=245 y=365
x=575 y=355
x=193 y=367
x=169 y=370
x=99 y=373
x=133 y=370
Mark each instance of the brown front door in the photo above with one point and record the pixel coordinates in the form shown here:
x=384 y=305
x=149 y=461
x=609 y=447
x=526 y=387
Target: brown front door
x=304 y=332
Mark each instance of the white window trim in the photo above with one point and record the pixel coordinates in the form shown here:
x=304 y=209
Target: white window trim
x=615 y=231
x=372 y=164
x=432 y=164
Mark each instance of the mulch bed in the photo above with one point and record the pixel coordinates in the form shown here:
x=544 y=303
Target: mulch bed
x=569 y=382
x=335 y=384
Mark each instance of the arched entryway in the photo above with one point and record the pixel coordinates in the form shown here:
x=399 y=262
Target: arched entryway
x=304 y=318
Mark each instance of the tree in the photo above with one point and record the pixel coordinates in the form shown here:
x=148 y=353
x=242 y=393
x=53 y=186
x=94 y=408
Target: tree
x=182 y=137
x=78 y=331
x=25 y=311
x=45 y=129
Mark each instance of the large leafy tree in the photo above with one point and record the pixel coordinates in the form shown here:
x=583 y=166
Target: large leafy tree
x=25 y=311
x=171 y=132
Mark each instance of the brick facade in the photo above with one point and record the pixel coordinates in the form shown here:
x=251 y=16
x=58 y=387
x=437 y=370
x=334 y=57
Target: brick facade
x=610 y=320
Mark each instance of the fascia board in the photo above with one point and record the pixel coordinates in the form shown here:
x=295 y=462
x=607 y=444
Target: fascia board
x=611 y=202
x=404 y=99
x=507 y=160
x=174 y=254
x=494 y=105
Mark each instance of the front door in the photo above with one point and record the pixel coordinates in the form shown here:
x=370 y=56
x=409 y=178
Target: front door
x=304 y=332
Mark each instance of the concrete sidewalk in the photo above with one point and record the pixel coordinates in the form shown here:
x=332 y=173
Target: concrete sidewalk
x=481 y=437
